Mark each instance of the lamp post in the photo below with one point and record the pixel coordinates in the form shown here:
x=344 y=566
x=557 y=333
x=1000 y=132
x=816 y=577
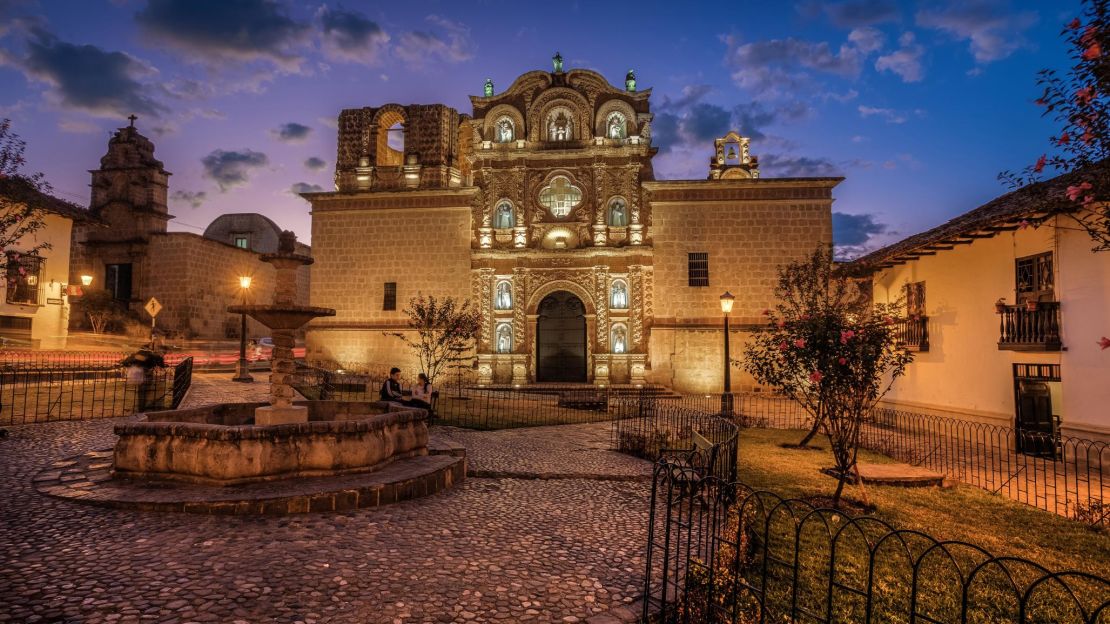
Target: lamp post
x=242 y=372
x=727 y=300
x=86 y=280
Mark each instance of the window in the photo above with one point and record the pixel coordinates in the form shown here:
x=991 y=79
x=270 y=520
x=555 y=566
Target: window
x=1035 y=280
x=560 y=197
x=915 y=299
x=389 y=301
x=18 y=323
x=618 y=213
x=24 y=278
x=242 y=242
x=698 y=268
x=117 y=280
x=503 y=216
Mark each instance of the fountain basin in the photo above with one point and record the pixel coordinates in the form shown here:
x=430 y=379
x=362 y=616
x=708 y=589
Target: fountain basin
x=220 y=445
x=281 y=316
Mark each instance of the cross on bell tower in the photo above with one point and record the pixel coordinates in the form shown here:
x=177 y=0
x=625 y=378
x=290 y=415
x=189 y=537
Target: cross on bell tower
x=132 y=117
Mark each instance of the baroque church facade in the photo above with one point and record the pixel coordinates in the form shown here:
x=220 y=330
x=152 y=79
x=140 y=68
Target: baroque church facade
x=541 y=207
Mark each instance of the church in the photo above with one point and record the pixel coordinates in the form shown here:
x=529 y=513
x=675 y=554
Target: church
x=541 y=207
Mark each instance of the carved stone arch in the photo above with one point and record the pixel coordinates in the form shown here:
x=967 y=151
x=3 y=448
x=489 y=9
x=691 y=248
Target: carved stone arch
x=489 y=126
x=576 y=289
x=553 y=98
x=384 y=118
x=615 y=105
x=590 y=81
x=731 y=137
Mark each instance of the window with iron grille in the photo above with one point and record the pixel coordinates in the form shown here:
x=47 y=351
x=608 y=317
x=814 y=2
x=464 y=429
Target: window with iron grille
x=698 y=268
x=1035 y=280
x=24 y=277
x=389 y=302
x=915 y=299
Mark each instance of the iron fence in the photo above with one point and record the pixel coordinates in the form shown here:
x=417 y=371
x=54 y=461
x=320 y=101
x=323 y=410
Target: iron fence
x=649 y=428
x=719 y=551
x=59 y=359
x=33 y=395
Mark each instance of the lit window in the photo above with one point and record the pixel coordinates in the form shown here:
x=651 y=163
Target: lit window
x=560 y=197
x=242 y=242
x=24 y=278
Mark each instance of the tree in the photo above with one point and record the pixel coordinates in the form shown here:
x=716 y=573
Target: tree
x=443 y=329
x=830 y=350
x=100 y=308
x=1079 y=101
x=20 y=213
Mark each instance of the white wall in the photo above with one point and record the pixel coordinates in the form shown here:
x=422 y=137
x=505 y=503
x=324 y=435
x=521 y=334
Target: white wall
x=49 y=321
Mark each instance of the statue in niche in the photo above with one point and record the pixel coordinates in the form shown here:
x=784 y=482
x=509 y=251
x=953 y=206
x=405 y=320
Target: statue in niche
x=487 y=89
x=616 y=127
x=504 y=218
x=504 y=339
x=504 y=131
x=558 y=128
x=617 y=215
x=504 y=296
x=619 y=298
x=619 y=340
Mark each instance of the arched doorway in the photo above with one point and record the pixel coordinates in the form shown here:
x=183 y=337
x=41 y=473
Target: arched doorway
x=561 y=339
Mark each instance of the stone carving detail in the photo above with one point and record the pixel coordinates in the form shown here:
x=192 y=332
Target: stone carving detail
x=483 y=293
x=601 y=301
x=520 y=278
x=636 y=309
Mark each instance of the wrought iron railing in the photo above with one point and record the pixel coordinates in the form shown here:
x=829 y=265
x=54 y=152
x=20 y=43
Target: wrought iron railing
x=1029 y=327
x=721 y=552
x=912 y=333
x=649 y=429
x=33 y=395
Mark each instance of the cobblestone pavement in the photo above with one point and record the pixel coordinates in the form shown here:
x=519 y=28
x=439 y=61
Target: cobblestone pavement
x=490 y=550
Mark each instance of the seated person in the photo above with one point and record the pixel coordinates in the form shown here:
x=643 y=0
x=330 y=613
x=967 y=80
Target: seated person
x=391 y=387
x=422 y=393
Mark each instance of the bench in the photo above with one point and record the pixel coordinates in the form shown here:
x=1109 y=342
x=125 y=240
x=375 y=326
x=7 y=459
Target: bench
x=691 y=465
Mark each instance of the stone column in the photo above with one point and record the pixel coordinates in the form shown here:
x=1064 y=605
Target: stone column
x=282 y=369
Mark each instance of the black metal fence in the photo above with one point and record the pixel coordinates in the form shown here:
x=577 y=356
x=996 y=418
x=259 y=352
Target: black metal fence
x=719 y=551
x=1065 y=475
x=649 y=428
x=48 y=392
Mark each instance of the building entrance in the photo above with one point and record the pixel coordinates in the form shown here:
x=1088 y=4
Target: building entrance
x=561 y=339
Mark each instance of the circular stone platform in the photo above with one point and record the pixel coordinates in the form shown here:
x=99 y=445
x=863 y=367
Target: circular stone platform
x=898 y=475
x=87 y=479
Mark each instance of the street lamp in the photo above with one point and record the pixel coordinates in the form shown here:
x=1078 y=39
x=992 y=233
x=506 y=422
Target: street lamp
x=86 y=280
x=242 y=372
x=727 y=300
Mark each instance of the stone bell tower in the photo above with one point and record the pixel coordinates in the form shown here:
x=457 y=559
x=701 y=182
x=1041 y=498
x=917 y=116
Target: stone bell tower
x=130 y=187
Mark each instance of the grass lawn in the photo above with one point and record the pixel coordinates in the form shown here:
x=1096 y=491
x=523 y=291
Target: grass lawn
x=963 y=512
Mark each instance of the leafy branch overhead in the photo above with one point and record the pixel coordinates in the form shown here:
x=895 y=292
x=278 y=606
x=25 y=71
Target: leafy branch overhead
x=440 y=330
x=21 y=216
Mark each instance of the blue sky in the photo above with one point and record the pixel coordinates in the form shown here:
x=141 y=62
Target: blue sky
x=918 y=104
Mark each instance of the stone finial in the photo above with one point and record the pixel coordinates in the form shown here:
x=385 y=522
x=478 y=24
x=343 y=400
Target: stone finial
x=630 y=81
x=287 y=242
x=487 y=89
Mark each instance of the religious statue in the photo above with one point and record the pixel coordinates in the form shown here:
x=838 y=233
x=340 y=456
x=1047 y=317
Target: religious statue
x=630 y=81
x=504 y=339
x=504 y=216
x=616 y=127
x=557 y=62
x=504 y=131
x=617 y=217
x=619 y=298
x=619 y=340
x=504 y=296
x=558 y=129
x=488 y=88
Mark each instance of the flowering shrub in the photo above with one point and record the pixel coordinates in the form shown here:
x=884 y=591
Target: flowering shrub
x=445 y=332
x=824 y=346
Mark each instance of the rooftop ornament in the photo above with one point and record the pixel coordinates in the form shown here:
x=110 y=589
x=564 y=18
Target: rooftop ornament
x=488 y=87
x=557 y=63
x=630 y=81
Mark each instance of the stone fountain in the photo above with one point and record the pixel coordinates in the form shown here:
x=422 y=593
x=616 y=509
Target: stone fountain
x=282 y=457
x=284 y=318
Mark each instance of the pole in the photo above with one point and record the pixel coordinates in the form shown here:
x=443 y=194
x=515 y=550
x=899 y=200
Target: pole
x=726 y=396
x=242 y=372
x=153 y=320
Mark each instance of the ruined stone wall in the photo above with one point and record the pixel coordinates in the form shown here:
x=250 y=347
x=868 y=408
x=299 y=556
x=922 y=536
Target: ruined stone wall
x=423 y=250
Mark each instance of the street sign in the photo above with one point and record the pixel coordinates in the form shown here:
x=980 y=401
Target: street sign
x=152 y=307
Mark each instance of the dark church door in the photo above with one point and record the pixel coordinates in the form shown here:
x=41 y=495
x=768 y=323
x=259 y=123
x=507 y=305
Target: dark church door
x=561 y=339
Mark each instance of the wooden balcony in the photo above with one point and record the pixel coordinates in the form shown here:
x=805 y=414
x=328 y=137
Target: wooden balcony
x=1022 y=329
x=912 y=333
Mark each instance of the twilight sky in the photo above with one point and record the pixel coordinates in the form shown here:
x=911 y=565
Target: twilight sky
x=918 y=103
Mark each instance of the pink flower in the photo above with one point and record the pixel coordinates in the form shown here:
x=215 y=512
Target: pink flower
x=1064 y=139
x=1104 y=343
x=888 y=321
x=816 y=376
x=1092 y=52
x=1084 y=95
x=1039 y=167
x=783 y=346
x=1074 y=24
x=1076 y=191
x=845 y=336
x=1088 y=199
x=780 y=323
x=843 y=361
x=800 y=343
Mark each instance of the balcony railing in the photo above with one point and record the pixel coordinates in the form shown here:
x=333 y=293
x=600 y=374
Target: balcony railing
x=1023 y=329
x=912 y=333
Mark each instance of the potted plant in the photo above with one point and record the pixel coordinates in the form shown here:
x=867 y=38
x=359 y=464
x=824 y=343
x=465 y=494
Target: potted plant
x=1000 y=305
x=1031 y=305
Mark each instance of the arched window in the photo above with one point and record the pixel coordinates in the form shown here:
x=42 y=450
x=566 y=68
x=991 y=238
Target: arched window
x=616 y=126
x=503 y=296
x=619 y=339
x=504 y=338
x=560 y=197
x=390 y=139
x=618 y=213
x=618 y=295
x=559 y=125
x=503 y=217
x=505 y=131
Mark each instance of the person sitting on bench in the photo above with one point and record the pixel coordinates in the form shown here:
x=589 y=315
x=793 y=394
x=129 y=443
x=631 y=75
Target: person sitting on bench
x=422 y=393
x=391 y=387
